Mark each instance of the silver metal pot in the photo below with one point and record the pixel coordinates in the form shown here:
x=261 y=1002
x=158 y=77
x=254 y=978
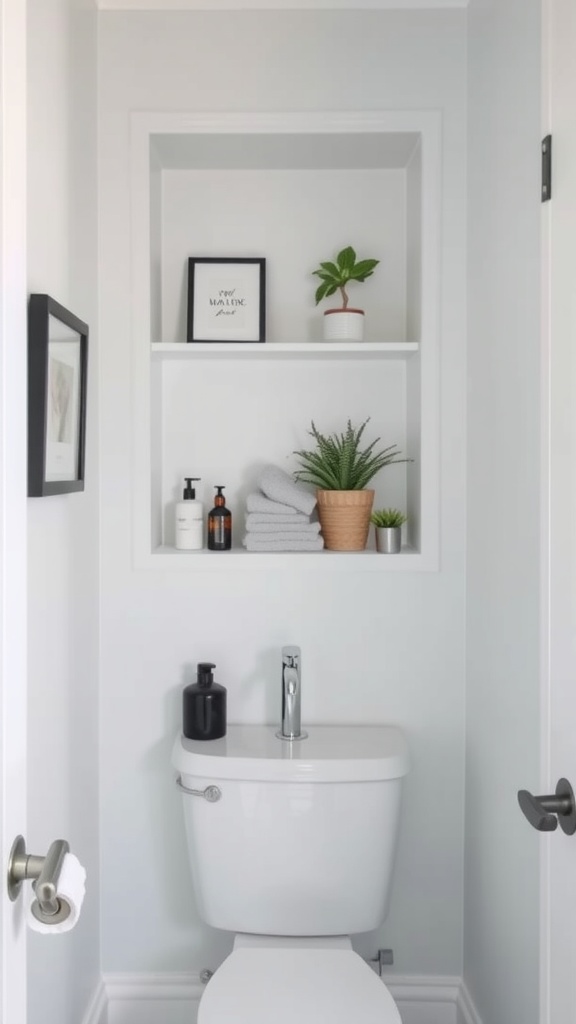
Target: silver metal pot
x=388 y=539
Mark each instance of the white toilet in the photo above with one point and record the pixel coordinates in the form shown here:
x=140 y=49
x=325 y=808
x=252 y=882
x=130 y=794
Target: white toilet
x=292 y=847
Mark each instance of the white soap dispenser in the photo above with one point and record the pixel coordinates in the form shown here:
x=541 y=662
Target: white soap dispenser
x=189 y=518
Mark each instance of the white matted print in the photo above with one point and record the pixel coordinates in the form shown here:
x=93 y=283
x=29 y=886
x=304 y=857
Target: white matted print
x=63 y=403
x=226 y=299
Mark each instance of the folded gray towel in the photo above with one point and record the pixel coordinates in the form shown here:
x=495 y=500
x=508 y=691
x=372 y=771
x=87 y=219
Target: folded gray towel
x=277 y=519
x=258 y=502
x=300 y=534
x=258 y=542
x=283 y=529
x=279 y=486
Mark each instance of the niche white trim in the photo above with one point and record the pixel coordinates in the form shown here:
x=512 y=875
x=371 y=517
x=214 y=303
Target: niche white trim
x=278 y=5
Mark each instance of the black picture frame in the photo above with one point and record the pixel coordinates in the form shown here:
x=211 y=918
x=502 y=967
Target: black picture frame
x=57 y=387
x=226 y=299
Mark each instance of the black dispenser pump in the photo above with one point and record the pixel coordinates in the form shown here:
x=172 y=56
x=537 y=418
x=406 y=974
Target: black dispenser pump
x=189 y=492
x=204 y=706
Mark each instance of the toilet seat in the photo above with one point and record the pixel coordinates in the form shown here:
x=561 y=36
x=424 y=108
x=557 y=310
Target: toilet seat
x=307 y=986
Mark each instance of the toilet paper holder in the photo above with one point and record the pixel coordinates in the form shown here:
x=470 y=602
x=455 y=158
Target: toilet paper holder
x=44 y=873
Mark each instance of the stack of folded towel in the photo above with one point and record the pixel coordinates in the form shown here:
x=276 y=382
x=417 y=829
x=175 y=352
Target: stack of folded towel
x=279 y=516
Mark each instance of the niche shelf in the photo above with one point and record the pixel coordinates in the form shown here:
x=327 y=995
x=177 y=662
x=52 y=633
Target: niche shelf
x=281 y=186
x=288 y=350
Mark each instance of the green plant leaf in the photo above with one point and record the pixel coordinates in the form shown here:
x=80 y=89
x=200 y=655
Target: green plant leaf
x=346 y=258
x=330 y=268
x=323 y=290
x=344 y=270
x=388 y=517
x=363 y=269
x=337 y=462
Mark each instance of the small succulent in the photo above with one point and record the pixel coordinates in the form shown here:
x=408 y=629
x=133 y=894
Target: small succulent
x=388 y=517
x=338 y=275
x=339 y=464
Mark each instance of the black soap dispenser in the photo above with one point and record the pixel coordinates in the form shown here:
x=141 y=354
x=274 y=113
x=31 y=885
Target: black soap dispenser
x=219 y=524
x=204 y=706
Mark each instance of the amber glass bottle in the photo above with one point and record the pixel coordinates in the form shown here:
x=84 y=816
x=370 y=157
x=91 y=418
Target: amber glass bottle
x=219 y=524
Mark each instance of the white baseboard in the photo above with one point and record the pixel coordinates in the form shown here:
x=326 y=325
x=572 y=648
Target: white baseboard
x=467 y=1012
x=167 y=998
x=170 y=998
x=96 y=1011
x=424 y=999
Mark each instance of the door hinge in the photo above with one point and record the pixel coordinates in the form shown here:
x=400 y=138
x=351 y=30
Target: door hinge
x=546 y=168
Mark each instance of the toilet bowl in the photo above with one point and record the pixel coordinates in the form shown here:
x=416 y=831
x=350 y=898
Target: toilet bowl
x=332 y=984
x=292 y=847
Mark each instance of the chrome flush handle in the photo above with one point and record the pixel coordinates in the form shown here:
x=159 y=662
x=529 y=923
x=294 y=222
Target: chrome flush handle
x=212 y=793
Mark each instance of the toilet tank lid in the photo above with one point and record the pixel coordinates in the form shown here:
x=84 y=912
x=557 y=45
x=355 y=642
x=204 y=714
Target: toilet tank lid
x=363 y=753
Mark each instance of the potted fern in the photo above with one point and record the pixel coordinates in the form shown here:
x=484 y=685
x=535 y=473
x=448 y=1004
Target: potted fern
x=388 y=523
x=343 y=323
x=340 y=468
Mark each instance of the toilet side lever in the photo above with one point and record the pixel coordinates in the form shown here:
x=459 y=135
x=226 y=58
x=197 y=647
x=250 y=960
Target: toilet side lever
x=211 y=793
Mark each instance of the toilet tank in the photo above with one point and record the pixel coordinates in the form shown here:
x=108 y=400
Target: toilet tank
x=302 y=839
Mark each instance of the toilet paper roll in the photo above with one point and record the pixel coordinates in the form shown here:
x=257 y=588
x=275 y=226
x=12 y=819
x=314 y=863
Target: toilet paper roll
x=71 y=888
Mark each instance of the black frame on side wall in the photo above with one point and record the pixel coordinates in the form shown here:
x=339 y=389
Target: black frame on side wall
x=51 y=326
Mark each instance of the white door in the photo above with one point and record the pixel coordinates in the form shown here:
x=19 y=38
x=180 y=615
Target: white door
x=558 y=974
x=12 y=490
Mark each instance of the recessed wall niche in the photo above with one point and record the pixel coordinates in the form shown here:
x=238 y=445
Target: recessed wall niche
x=294 y=189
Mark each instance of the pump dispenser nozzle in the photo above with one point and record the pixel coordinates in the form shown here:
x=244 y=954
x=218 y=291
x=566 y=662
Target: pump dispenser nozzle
x=205 y=673
x=189 y=492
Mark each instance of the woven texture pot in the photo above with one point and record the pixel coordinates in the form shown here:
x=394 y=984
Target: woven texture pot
x=345 y=518
x=343 y=324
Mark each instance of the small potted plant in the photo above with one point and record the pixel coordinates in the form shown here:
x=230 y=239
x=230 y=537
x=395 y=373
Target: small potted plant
x=343 y=323
x=388 y=523
x=340 y=469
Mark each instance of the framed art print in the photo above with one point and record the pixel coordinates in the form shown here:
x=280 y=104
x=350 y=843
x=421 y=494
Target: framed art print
x=57 y=382
x=226 y=299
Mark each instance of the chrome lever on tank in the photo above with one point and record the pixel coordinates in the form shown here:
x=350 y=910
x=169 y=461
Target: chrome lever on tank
x=212 y=793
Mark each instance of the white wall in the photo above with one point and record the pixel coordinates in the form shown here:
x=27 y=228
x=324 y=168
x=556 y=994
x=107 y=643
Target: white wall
x=502 y=740
x=374 y=648
x=63 y=530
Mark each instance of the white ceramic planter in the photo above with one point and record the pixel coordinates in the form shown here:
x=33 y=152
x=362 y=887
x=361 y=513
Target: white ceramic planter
x=343 y=325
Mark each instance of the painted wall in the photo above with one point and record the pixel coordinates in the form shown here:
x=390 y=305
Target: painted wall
x=375 y=648
x=63 y=530
x=502 y=739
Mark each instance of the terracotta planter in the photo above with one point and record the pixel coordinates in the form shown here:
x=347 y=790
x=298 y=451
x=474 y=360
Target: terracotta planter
x=343 y=325
x=345 y=518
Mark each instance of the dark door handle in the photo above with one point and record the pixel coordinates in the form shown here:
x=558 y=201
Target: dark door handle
x=544 y=812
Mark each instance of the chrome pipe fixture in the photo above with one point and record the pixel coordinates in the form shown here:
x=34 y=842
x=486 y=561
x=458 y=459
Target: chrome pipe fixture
x=44 y=873
x=291 y=695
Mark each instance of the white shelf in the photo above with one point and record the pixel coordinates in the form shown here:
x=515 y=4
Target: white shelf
x=300 y=350
x=238 y=558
